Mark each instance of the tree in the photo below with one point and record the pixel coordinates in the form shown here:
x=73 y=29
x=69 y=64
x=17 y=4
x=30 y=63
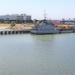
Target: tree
x=2 y=20
x=12 y=24
x=18 y=20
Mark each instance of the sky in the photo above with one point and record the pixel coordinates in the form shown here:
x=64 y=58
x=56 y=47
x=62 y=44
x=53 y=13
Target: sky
x=55 y=9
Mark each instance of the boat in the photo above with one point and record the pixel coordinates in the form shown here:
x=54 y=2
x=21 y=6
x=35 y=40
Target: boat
x=66 y=31
x=44 y=27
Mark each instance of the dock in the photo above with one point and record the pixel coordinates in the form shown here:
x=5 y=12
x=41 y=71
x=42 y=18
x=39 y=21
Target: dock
x=10 y=31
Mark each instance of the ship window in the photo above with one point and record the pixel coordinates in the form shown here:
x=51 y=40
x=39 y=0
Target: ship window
x=41 y=29
x=45 y=29
x=35 y=29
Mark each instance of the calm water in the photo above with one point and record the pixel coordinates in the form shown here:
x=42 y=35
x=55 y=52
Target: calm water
x=37 y=54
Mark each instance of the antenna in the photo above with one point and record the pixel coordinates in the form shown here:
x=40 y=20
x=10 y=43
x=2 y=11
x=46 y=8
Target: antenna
x=44 y=14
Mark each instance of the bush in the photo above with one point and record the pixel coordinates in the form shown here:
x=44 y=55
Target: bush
x=12 y=24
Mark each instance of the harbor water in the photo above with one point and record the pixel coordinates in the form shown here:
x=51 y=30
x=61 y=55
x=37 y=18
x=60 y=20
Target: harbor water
x=28 y=54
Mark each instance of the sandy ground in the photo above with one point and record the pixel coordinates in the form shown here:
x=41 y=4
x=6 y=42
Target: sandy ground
x=18 y=26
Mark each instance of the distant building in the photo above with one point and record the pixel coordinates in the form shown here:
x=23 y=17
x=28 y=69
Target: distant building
x=14 y=17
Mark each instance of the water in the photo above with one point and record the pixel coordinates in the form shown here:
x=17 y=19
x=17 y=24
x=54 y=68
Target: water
x=28 y=54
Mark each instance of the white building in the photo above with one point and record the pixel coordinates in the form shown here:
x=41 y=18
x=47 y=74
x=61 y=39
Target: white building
x=15 y=17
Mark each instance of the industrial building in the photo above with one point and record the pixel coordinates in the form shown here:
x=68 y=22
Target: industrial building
x=14 y=17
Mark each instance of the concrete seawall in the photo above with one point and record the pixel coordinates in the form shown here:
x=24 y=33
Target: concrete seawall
x=10 y=31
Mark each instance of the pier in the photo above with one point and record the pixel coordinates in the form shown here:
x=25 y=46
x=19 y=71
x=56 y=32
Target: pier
x=10 y=31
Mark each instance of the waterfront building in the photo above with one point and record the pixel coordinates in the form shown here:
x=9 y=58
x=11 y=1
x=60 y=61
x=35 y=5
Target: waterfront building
x=14 y=17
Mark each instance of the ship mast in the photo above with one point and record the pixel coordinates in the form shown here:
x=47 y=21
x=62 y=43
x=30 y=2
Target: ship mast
x=44 y=14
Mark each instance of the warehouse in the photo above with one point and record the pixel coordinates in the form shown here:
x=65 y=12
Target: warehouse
x=14 y=17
